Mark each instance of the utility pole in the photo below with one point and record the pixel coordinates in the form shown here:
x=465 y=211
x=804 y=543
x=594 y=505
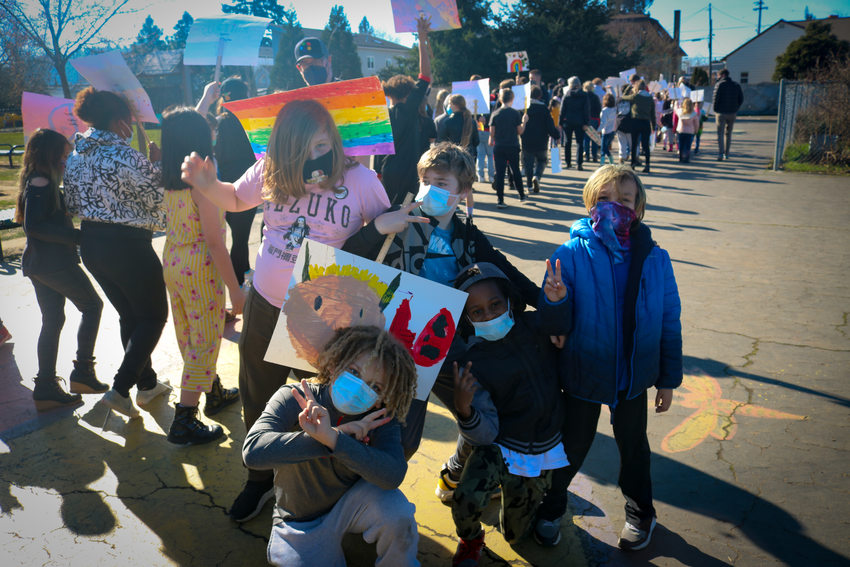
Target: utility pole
x=760 y=7
x=710 y=57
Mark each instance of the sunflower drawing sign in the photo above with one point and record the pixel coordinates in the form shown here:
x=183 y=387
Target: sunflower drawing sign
x=517 y=61
x=331 y=289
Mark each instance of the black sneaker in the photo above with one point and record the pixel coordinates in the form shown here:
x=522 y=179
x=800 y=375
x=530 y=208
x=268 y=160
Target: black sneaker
x=632 y=538
x=535 y=185
x=251 y=500
x=547 y=532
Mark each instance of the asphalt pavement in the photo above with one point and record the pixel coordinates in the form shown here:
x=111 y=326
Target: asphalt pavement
x=749 y=466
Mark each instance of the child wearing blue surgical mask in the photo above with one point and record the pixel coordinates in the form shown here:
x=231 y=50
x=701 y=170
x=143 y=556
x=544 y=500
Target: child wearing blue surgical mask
x=335 y=447
x=508 y=404
x=437 y=247
x=625 y=337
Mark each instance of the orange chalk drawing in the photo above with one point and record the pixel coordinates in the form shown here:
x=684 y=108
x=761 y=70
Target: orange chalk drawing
x=715 y=415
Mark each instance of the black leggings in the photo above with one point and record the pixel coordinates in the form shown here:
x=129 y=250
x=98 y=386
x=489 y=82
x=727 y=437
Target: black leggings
x=240 y=230
x=51 y=290
x=128 y=270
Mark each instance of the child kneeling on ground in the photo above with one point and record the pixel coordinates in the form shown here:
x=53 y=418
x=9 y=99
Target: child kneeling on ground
x=625 y=337
x=337 y=463
x=510 y=410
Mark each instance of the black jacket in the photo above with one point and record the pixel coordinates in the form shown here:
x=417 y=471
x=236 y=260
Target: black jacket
x=728 y=96
x=575 y=108
x=409 y=247
x=595 y=106
x=539 y=128
x=51 y=237
x=525 y=412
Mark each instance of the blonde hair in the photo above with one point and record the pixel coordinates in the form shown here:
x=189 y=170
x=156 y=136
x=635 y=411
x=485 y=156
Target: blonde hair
x=452 y=158
x=615 y=174
x=687 y=106
x=349 y=343
x=289 y=149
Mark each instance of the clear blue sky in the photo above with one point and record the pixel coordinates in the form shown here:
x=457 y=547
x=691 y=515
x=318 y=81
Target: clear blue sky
x=734 y=20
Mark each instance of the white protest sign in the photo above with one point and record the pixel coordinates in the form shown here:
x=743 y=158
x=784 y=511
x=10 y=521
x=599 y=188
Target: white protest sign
x=476 y=93
x=674 y=93
x=698 y=95
x=331 y=289
x=685 y=91
x=109 y=72
x=236 y=38
x=626 y=75
x=522 y=96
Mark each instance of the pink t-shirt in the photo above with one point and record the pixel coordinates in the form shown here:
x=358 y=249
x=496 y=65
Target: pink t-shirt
x=320 y=215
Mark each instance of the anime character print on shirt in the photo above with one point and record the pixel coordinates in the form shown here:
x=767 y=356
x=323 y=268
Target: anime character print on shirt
x=297 y=233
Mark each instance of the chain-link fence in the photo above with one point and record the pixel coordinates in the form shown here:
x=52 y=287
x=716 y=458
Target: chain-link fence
x=812 y=123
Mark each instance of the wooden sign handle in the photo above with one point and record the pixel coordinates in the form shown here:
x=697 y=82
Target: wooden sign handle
x=389 y=240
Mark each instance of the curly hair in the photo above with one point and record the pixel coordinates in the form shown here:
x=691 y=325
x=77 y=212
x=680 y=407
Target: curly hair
x=349 y=343
x=398 y=87
x=100 y=108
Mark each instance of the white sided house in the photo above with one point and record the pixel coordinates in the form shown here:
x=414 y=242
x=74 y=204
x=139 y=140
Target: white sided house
x=755 y=61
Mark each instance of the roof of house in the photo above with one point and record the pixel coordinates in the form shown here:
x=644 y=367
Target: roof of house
x=361 y=40
x=840 y=27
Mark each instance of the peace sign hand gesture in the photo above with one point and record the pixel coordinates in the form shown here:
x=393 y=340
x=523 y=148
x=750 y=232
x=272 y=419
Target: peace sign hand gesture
x=397 y=221
x=554 y=289
x=314 y=418
x=360 y=429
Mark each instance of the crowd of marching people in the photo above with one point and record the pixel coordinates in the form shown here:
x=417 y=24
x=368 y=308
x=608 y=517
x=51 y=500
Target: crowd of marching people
x=535 y=356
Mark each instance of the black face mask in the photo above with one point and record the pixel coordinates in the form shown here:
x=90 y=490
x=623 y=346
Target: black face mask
x=319 y=169
x=316 y=75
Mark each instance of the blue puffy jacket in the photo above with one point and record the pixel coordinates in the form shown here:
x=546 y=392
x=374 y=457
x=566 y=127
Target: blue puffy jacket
x=588 y=361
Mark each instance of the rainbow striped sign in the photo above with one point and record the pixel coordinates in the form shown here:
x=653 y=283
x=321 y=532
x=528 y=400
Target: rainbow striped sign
x=358 y=107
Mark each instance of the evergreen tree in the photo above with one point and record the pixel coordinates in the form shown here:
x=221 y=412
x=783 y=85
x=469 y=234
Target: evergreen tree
x=340 y=43
x=260 y=8
x=149 y=38
x=365 y=27
x=582 y=47
x=181 y=32
x=284 y=75
x=815 y=49
x=472 y=49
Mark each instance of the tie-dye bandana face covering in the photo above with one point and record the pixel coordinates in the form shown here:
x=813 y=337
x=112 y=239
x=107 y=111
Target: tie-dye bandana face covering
x=611 y=222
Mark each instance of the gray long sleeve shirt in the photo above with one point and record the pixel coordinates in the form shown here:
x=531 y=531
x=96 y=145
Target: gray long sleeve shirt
x=309 y=478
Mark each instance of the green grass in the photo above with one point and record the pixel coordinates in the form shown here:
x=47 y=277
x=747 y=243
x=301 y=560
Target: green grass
x=797 y=160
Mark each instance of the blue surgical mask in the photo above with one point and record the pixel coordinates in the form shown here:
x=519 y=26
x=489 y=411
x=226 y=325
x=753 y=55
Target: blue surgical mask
x=449 y=111
x=351 y=395
x=436 y=202
x=495 y=329
x=316 y=75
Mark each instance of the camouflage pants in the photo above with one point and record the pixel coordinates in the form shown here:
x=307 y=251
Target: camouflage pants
x=484 y=472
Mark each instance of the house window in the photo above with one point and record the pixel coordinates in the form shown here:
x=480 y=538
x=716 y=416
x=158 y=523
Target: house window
x=370 y=62
x=745 y=78
x=388 y=62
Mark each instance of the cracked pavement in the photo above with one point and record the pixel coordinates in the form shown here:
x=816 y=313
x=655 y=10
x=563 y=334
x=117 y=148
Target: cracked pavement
x=758 y=475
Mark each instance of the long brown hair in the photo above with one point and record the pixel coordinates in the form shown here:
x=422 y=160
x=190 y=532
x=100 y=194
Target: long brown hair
x=289 y=149
x=42 y=157
x=468 y=123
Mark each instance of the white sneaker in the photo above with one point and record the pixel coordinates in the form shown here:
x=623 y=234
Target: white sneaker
x=116 y=402
x=144 y=397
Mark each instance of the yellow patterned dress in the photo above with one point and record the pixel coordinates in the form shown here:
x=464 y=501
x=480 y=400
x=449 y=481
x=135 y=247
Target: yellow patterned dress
x=195 y=288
